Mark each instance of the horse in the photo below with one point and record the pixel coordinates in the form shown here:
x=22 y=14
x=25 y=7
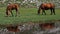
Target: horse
x=46 y=6
x=11 y=7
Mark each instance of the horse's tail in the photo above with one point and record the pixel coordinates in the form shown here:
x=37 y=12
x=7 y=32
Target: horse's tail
x=18 y=7
x=39 y=10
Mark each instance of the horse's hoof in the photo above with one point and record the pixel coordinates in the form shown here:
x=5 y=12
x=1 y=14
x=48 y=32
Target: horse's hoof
x=54 y=14
x=6 y=16
x=50 y=14
x=15 y=16
x=10 y=16
x=42 y=14
x=45 y=14
x=19 y=16
x=38 y=14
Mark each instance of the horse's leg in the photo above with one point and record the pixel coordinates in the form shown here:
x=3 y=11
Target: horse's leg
x=51 y=11
x=39 y=10
x=7 y=13
x=16 y=12
x=54 y=11
x=11 y=12
x=44 y=12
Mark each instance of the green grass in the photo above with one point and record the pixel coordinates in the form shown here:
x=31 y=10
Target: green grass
x=27 y=15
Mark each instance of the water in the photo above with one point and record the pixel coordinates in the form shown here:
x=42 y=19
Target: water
x=33 y=29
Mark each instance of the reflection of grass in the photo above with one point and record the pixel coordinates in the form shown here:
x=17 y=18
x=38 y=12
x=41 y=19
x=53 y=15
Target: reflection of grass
x=26 y=15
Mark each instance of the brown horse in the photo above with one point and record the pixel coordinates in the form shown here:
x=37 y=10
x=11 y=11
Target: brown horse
x=46 y=6
x=11 y=7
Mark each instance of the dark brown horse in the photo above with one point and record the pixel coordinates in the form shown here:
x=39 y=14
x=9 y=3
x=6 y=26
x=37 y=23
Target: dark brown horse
x=11 y=7
x=46 y=6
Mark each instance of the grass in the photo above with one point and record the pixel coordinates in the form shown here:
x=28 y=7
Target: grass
x=27 y=15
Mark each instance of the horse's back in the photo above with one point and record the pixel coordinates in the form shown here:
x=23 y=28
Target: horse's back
x=47 y=5
x=12 y=6
x=50 y=5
